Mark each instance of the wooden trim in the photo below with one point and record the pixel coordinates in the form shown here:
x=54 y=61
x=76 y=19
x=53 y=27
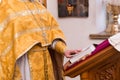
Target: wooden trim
x=97 y=59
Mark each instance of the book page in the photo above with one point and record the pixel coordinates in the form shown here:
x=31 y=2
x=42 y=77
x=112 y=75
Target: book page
x=83 y=53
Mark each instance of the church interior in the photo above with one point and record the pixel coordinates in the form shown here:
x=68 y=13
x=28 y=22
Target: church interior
x=101 y=23
x=91 y=26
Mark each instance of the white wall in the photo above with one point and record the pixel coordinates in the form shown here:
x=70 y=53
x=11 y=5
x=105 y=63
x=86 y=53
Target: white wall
x=77 y=30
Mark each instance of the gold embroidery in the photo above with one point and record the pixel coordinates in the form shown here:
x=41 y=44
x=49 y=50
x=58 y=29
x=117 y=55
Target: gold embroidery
x=45 y=65
x=22 y=13
x=8 y=48
x=31 y=31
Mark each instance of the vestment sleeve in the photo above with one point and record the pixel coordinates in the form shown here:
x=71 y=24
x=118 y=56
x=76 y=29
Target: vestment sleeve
x=59 y=46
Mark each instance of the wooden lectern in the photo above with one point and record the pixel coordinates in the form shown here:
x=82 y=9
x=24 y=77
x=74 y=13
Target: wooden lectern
x=103 y=65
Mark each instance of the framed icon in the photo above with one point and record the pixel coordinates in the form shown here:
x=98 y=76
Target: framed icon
x=73 y=8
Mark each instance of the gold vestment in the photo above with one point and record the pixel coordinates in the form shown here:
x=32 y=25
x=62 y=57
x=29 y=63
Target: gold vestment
x=24 y=25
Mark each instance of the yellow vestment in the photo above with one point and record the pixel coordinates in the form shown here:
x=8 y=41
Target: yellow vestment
x=27 y=27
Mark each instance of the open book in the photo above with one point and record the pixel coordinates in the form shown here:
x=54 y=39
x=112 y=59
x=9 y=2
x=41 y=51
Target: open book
x=86 y=51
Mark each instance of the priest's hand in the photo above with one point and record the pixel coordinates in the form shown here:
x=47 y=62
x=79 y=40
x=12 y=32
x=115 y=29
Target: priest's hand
x=70 y=53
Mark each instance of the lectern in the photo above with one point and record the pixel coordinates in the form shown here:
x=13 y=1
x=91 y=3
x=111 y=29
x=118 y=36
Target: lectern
x=103 y=64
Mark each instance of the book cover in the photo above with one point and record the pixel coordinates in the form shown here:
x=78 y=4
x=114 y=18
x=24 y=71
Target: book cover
x=86 y=51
